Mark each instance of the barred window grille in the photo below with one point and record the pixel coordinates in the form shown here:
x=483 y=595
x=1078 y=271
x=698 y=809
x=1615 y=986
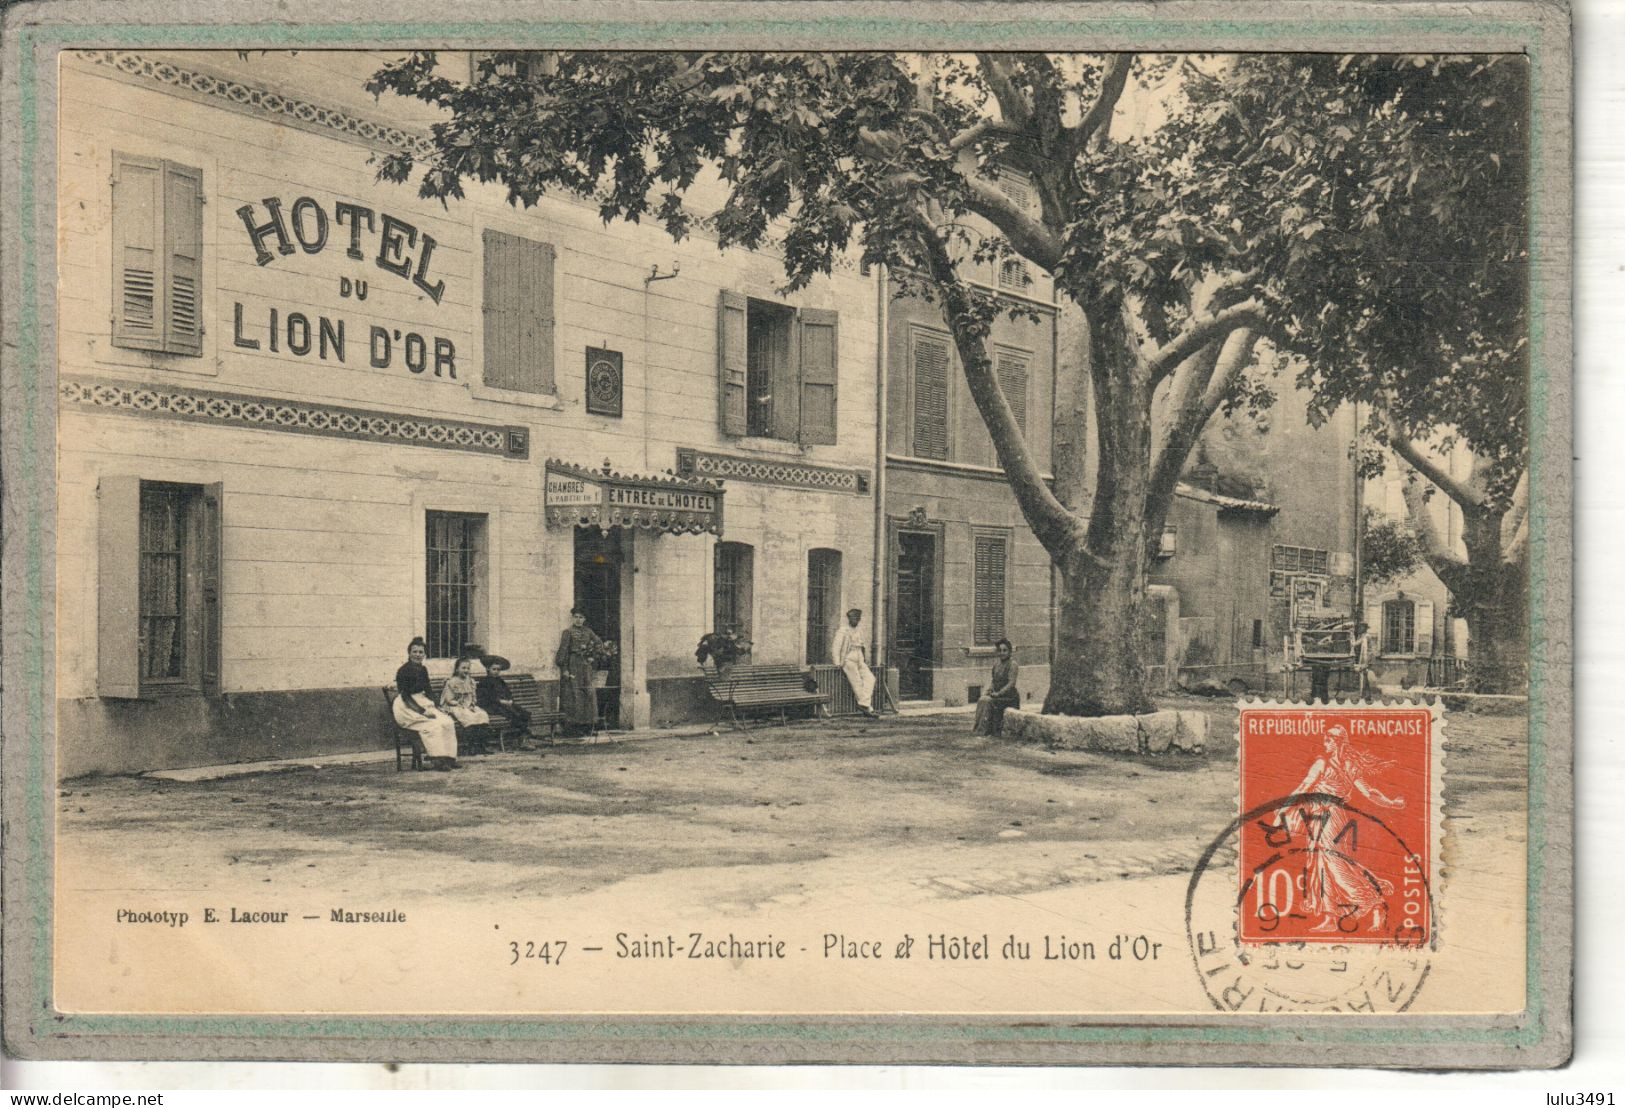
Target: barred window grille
x=988 y=618
x=1301 y=559
x=456 y=557
x=823 y=600
x=163 y=583
x=731 y=595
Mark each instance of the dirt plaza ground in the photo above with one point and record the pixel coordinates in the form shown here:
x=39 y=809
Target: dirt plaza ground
x=731 y=820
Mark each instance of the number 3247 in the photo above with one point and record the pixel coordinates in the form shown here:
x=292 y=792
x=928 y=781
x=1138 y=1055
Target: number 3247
x=549 y=953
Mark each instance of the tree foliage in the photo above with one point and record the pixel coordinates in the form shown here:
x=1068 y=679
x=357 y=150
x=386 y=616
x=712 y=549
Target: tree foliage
x=1389 y=550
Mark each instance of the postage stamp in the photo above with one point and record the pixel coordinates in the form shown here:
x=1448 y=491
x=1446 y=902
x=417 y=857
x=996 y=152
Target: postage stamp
x=1342 y=852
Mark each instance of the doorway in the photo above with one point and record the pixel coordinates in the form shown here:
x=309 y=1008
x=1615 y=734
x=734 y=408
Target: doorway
x=598 y=559
x=914 y=639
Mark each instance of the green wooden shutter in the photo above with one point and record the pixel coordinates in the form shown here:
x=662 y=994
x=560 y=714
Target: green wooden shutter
x=210 y=534
x=988 y=617
x=1012 y=370
x=930 y=357
x=138 y=263
x=820 y=350
x=519 y=313
x=732 y=312
x=118 y=587
x=183 y=258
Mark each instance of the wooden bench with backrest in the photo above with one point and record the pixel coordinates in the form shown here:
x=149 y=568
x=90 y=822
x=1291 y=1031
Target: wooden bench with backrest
x=526 y=693
x=749 y=690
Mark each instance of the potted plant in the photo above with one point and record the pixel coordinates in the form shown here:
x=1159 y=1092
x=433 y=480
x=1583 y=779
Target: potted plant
x=723 y=648
x=607 y=652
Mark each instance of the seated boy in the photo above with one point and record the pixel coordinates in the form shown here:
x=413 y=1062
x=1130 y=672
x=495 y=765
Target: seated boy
x=492 y=694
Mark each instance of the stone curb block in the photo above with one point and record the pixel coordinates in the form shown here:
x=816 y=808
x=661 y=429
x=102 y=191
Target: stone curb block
x=1183 y=732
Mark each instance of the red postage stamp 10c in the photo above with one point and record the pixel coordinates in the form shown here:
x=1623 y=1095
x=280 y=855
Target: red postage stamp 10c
x=1337 y=833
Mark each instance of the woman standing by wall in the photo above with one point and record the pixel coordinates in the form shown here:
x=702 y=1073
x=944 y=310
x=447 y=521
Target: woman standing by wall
x=577 y=658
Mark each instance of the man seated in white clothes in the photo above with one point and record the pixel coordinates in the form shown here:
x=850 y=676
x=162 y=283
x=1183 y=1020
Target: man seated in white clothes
x=850 y=653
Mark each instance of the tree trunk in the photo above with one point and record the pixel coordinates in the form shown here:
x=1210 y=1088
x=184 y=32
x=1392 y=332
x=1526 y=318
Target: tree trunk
x=1099 y=668
x=1491 y=596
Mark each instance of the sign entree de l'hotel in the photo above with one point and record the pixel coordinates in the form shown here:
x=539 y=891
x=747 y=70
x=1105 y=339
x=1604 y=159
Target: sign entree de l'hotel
x=574 y=495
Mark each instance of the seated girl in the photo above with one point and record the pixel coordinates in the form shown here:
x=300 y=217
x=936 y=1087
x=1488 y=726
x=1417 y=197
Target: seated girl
x=414 y=710
x=460 y=697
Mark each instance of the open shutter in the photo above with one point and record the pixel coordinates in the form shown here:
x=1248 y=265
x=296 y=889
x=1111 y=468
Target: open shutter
x=210 y=559
x=820 y=349
x=183 y=254
x=138 y=293
x=1373 y=626
x=1424 y=628
x=118 y=588
x=519 y=313
x=731 y=362
x=1012 y=370
x=930 y=396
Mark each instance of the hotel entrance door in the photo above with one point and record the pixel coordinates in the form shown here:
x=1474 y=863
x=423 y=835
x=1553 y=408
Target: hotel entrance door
x=598 y=559
x=914 y=643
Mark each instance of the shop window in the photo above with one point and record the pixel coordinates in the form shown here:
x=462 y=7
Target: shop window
x=456 y=581
x=519 y=313
x=157 y=255
x=823 y=603
x=992 y=557
x=158 y=595
x=732 y=583
x=1398 y=627
x=929 y=363
x=776 y=370
x=1011 y=366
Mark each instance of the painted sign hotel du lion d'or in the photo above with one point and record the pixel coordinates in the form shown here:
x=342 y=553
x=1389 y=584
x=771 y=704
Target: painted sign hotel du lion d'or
x=871 y=555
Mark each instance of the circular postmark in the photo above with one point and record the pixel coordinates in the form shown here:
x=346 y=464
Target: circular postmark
x=1255 y=948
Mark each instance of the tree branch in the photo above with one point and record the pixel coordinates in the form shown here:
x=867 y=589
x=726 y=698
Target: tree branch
x=1197 y=394
x=1203 y=329
x=1060 y=532
x=1098 y=119
x=1406 y=448
x=1013 y=105
x=1441 y=560
x=1031 y=238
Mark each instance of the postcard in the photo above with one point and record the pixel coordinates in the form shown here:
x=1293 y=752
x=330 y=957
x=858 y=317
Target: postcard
x=992 y=533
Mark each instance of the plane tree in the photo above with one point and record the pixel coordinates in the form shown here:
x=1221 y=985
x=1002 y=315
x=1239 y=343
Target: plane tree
x=1212 y=223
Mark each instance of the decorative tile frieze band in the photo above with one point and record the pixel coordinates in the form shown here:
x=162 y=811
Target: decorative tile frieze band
x=300 y=417
x=259 y=101
x=771 y=471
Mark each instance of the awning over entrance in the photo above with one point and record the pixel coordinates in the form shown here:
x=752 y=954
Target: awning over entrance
x=575 y=495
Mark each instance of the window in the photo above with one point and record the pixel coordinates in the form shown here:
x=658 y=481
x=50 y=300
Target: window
x=823 y=602
x=157 y=255
x=1258 y=634
x=158 y=597
x=776 y=370
x=456 y=580
x=1018 y=190
x=988 y=618
x=731 y=591
x=1015 y=276
x=1398 y=627
x=1300 y=559
x=519 y=315
x=1011 y=367
x=929 y=362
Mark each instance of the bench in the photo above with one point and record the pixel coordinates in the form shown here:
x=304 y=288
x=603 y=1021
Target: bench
x=526 y=693
x=754 y=689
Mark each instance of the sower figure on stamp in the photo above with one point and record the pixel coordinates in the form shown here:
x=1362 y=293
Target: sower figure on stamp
x=850 y=653
x=1335 y=885
x=577 y=658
